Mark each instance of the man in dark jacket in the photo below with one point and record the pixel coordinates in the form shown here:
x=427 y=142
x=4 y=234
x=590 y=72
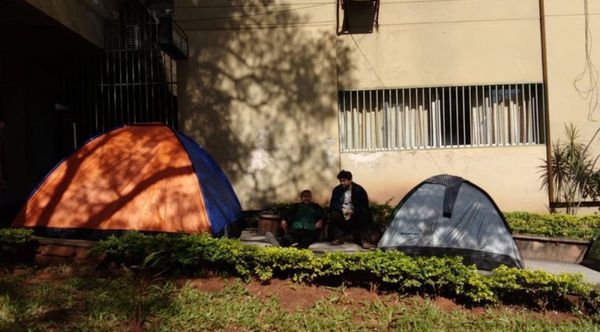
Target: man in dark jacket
x=301 y=224
x=350 y=212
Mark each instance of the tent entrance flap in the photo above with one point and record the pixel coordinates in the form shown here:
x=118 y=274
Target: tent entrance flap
x=450 y=195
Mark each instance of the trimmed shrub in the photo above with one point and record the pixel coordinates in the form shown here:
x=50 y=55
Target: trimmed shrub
x=554 y=225
x=389 y=270
x=16 y=245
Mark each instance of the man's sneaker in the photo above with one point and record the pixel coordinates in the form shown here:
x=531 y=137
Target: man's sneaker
x=337 y=242
x=271 y=239
x=368 y=246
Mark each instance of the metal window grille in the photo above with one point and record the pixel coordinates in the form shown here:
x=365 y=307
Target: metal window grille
x=138 y=79
x=133 y=80
x=441 y=117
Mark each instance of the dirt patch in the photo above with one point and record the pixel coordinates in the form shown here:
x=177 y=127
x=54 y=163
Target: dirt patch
x=208 y=283
x=291 y=296
x=558 y=317
x=361 y=295
x=49 y=274
x=295 y=297
x=446 y=304
x=549 y=315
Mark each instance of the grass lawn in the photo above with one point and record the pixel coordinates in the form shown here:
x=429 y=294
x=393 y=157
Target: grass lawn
x=68 y=297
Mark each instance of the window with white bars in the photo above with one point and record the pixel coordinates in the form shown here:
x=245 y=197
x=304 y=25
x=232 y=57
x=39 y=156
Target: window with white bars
x=441 y=117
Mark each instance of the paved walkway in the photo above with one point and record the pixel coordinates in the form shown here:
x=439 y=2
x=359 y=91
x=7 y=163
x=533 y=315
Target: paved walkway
x=251 y=236
x=589 y=275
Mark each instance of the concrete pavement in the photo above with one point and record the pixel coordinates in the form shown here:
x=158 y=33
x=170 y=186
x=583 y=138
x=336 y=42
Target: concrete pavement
x=589 y=275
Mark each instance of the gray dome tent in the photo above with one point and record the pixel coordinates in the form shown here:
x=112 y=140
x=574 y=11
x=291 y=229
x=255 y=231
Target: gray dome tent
x=447 y=215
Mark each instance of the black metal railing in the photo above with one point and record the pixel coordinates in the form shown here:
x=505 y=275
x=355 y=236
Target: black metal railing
x=133 y=80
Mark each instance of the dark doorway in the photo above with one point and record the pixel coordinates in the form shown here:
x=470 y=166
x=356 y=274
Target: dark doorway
x=58 y=90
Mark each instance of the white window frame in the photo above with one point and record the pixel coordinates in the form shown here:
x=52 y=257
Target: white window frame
x=441 y=117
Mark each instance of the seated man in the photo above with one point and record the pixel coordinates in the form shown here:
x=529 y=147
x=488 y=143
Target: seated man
x=350 y=212
x=301 y=224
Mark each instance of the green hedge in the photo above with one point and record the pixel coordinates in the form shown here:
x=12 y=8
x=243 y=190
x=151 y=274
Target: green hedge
x=554 y=225
x=390 y=270
x=16 y=245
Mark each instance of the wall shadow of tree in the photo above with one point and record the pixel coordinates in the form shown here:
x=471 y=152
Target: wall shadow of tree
x=259 y=92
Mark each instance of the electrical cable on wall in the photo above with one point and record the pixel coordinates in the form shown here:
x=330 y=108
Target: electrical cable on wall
x=591 y=72
x=250 y=15
x=368 y=62
x=589 y=75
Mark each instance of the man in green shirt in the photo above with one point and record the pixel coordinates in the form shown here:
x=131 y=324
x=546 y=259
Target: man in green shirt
x=301 y=225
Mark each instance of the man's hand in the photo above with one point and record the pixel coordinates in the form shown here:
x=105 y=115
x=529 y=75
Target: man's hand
x=347 y=213
x=319 y=224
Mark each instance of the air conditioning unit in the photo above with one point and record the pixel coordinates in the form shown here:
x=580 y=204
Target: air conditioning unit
x=133 y=38
x=359 y=16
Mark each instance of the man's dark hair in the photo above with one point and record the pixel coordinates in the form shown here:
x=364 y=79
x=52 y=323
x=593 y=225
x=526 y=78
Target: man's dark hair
x=305 y=192
x=343 y=174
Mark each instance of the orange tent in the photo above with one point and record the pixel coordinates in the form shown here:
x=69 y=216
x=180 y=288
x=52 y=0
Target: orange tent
x=141 y=177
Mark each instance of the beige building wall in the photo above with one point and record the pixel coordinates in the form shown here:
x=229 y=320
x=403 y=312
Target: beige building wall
x=439 y=43
x=569 y=70
x=259 y=92
x=85 y=17
x=449 y=43
x=388 y=176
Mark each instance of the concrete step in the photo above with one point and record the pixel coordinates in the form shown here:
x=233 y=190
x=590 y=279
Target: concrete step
x=251 y=236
